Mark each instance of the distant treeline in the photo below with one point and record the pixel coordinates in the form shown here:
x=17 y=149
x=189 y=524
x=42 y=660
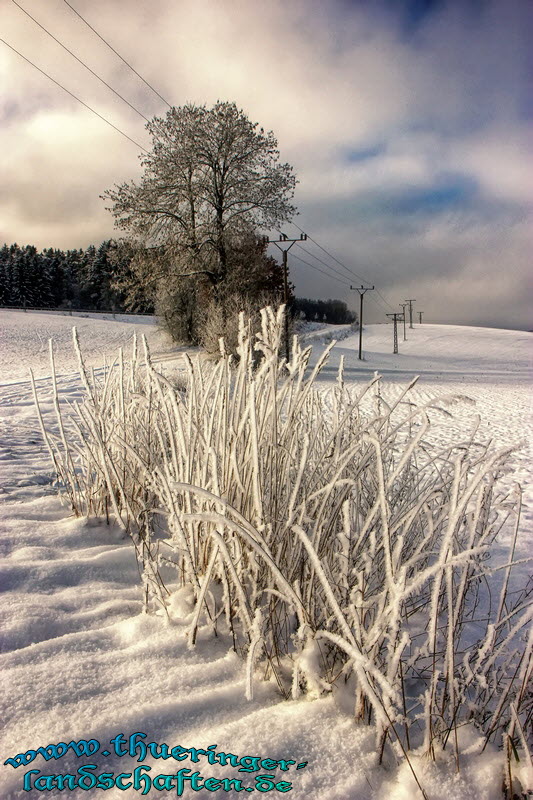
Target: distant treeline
x=90 y=279
x=336 y=312
x=52 y=278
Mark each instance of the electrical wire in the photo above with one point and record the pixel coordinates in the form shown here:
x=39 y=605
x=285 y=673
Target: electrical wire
x=117 y=53
x=350 y=271
x=331 y=269
x=74 y=96
x=313 y=266
x=79 y=60
x=378 y=303
x=325 y=263
x=384 y=299
x=320 y=270
x=317 y=269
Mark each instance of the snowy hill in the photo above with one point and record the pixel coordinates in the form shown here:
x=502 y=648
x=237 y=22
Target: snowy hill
x=80 y=662
x=438 y=352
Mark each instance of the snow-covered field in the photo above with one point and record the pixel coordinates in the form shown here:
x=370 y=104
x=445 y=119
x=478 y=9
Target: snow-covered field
x=25 y=336
x=489 y=372
x=80 y=662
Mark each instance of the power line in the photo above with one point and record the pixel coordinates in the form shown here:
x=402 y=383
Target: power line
x=313 y=266
x=350 y=271
x=79 y=60
x=315 y=257
x=333 y=269
x=321 y=261
x=75 y=96
x=337 y=271
x=384 y=299
x=327 y=274
x=379 y=305
x=329 y=266
x=117 y=53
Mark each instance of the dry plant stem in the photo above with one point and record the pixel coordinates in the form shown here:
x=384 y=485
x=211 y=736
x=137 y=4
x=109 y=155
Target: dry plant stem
x=311 y=520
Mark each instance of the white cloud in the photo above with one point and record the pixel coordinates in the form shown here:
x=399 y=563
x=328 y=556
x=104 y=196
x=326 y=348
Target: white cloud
x=500 y=161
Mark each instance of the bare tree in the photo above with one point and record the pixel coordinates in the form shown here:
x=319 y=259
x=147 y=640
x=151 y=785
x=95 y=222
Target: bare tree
x=210 y=176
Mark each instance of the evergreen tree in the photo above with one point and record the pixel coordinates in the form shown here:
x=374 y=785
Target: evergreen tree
x=20 y=288
x=74 y=279
x=53 y=268
x=335 y=312
x=89 y=291
x=72 y=267
x=5 y=276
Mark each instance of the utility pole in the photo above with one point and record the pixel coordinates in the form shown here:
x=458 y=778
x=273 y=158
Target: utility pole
x=410 y=311
x=395 y=317
x=420 y=317
x=404 y=306
x=362 y=290
x=288 y=244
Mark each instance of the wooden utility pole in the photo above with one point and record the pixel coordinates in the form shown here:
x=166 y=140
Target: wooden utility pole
x=362 y=290
x=396 y=316
x=284 y=240
x=404 y=306
x=420 y=317
x=410 y=311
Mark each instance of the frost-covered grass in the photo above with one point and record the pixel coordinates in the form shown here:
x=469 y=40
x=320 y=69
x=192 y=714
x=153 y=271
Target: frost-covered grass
x=341 y=550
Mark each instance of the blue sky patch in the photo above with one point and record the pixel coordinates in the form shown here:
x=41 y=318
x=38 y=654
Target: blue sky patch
x=364 y=153
x=453 y=192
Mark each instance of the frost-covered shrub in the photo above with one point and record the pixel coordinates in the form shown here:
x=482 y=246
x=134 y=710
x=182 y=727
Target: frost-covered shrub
x=223 y=320
x=322 y=530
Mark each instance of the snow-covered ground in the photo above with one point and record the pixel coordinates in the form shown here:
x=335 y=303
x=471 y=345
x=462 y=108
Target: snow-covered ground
x=24 y=338
x=487 y=371
x=80 y=662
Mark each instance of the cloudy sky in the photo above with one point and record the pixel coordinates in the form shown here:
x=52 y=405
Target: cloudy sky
x=406 y=122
